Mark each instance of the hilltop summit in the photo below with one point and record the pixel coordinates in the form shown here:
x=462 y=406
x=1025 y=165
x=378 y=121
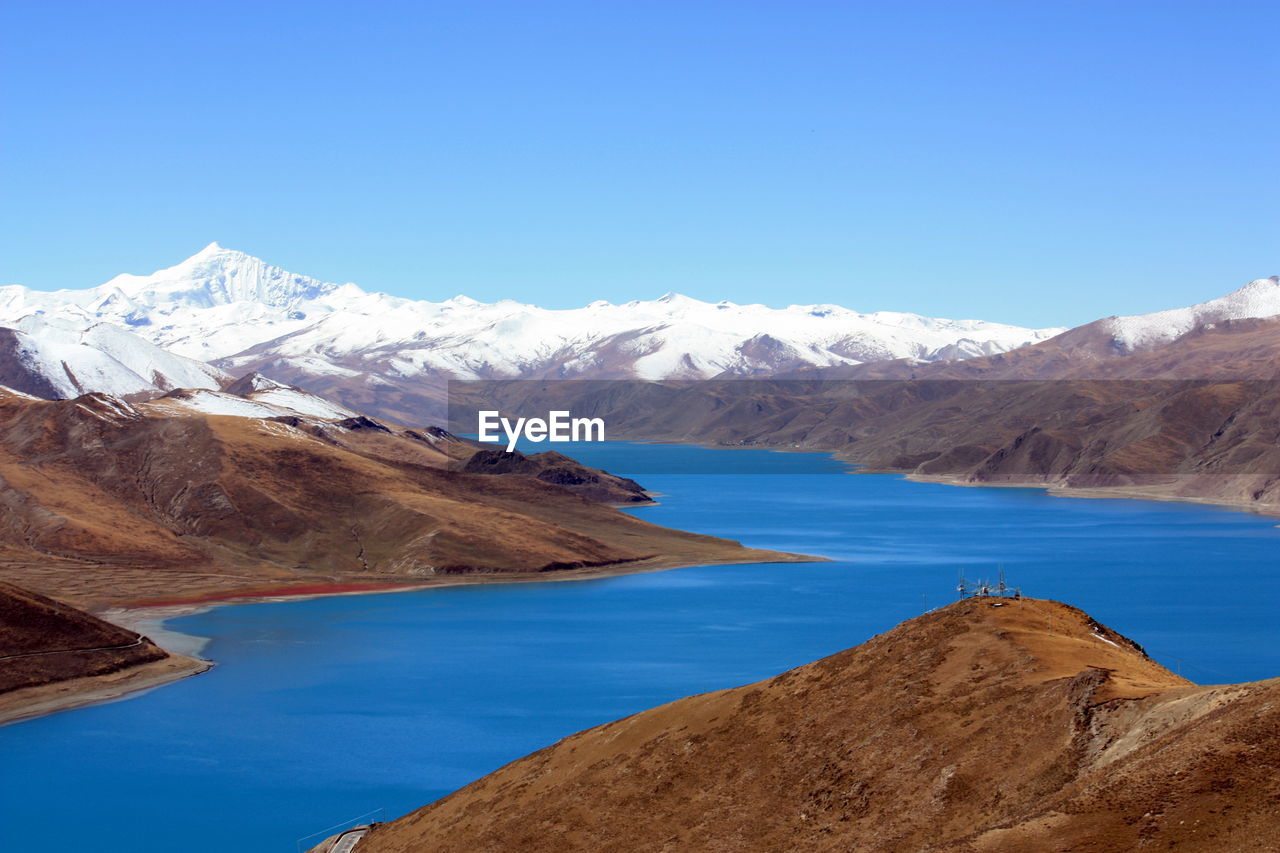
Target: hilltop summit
x=988 y=725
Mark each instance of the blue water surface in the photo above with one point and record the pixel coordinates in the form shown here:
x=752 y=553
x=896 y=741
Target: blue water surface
x=325 y=709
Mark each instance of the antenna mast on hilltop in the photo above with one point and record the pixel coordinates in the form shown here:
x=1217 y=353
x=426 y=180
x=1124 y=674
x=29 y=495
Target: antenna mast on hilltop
x=985 y=589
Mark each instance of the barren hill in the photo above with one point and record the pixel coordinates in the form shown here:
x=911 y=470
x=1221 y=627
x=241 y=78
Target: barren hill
x=106 y=501
x=988 y=725
x=1192 y=418
x=42 y=640
x=50 y=651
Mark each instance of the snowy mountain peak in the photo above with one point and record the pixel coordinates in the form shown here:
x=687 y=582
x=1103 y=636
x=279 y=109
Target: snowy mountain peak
x=216 y=276
x=252 y=382
x=673 y=298
x=1259 y=298
x=244 y=314
x=1266 y=287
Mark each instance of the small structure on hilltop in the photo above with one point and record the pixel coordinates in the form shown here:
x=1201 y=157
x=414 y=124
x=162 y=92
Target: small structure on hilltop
x=986 y=589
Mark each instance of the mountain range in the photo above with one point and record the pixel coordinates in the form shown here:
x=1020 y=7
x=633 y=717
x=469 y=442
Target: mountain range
x=391 y=356
x=222 y=313
x=184 y=333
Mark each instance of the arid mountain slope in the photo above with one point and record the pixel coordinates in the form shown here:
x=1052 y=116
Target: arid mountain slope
x=558 y=469
x=1193 y=418
x=1213 y=347
x=43 y=641
x=107 y=501
x=989 y=725
x=54 y=656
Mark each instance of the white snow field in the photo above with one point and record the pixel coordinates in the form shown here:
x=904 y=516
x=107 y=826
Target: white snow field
x=225 y=306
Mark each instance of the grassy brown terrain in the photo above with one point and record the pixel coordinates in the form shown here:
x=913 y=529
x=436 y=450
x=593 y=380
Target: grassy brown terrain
x=43 y=640
x=559 y=470
x=988 y=725
x=54 y=656
x=105 y=502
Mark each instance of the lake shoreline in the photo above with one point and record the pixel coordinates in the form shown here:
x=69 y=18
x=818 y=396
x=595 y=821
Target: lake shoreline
x=185 y=650
x=1136 y=493
x=431 y=692
x=150 y=617
x=28 y=703
x=1141 y=493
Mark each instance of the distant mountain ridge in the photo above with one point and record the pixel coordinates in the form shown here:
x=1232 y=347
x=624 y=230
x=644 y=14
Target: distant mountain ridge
x=241 y=313
x=392 y=357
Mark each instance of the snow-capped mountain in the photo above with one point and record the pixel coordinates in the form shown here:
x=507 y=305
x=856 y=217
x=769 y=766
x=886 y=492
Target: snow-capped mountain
x=1095 y=349
x=225 y=306
x=54 y=359
x=1259 y=298
x=215 y=303
x=391 y=356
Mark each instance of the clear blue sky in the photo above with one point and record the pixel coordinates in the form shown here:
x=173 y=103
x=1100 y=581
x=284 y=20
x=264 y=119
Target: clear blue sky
x=1036 y=162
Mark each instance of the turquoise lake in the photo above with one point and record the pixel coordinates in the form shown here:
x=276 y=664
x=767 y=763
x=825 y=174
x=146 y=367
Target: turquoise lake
x=325 y=709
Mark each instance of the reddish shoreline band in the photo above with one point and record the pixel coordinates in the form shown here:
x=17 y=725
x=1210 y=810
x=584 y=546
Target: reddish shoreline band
x=279 y=591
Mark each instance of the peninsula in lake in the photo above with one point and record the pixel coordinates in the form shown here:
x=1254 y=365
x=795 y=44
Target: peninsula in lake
x=258 y=489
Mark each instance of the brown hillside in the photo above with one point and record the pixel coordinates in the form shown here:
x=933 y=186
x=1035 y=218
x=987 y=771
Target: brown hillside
x=43 y=641
x=559 y=470
x=985 y=726
x=1193 y=419
x=104 y=501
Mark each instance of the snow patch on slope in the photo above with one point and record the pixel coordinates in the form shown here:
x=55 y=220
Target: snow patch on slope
x=6 y=391
x=302 y=402
x=103 y=358
x=1259 y=298
x=217 y=403
x=162 y=369
x=271 y=403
